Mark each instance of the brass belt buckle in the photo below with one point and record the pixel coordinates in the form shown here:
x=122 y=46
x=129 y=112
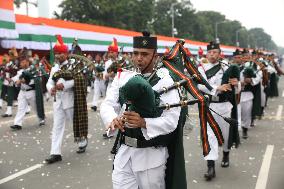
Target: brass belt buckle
x=215 y=98
x=132 y=142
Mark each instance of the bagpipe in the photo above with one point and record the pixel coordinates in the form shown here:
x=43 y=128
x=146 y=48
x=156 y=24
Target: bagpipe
x=259 y=64
x=175 y=61
x=231 y=73
x=120 y=63
x=11 y=68
x=77 y=64
x=36 y=70
x=76 y=67
x=99 y=69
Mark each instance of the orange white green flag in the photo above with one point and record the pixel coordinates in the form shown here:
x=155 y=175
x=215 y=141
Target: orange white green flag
x=7 y=20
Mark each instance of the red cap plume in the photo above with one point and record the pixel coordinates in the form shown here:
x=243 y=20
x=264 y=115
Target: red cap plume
x=200 y=51
x=60 y=47
x=114 y=46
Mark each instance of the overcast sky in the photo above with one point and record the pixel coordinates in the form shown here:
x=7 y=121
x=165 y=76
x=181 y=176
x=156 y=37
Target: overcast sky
x=265 y=14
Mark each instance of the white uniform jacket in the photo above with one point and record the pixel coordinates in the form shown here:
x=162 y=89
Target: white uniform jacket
x=215 y=81
x=151 y=157
x=248 y=95
x=66 y=97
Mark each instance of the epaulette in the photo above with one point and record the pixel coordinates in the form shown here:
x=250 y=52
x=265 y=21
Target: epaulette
x=163 y=72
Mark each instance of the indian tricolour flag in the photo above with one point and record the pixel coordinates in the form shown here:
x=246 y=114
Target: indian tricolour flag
x=7 y=20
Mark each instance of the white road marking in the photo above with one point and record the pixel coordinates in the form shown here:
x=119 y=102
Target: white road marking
x=20 y=173
x=264 y=170
x=279 y=112
x=283 y=93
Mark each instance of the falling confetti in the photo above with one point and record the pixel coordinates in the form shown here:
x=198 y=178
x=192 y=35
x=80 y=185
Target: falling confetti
x=251 y=158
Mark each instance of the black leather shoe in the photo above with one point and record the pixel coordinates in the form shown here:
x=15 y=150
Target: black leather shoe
x=94 y=108
x=42 y=123
x=107 y=137
x=16 y=127
x=225 y=161
x=210 y=174
x=81 y=149
x=7 y=115
x=245 y=133
x=211 y=171
x=252 y=124
x=53 y=158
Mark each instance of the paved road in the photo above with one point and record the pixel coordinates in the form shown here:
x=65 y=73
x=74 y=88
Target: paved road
x=22 y=154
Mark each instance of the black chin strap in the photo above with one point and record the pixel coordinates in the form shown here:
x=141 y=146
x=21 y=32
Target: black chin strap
x=149 y=63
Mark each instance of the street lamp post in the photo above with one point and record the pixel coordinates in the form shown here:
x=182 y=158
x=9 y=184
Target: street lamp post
x=216 y=30
x=248 y=41
x=174 y=31
x=27 y=2
x=237 y=37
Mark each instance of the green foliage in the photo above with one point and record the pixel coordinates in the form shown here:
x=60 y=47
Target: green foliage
x=131 y=15
x=156 y=16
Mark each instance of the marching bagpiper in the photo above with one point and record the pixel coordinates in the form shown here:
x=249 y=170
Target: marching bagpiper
x=220 y=103
x=9 y=91
x=143 y=157
x=69 y=90
x=30 y=93
x=251 y=77
x=99 y=83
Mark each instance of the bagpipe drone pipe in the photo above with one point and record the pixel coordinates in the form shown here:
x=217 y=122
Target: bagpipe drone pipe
x=175 y=61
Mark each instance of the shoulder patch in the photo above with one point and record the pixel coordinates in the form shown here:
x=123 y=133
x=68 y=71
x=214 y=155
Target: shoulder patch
x=163 y=72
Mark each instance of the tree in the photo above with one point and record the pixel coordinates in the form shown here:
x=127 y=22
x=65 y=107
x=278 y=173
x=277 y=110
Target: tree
x=260 y=39
x=207 y=20
x=162 y=24
x=186 y=22
x=132 y=15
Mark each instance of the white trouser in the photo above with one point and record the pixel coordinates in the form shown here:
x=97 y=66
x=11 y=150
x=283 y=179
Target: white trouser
x=213 y=154
x=59 y=119
x=99 y=90
x=225 y=128
x=246 y=109
x=126 y=178
x=25 y=99
x=263 y=96
x=239 y=115
x=9 y=110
